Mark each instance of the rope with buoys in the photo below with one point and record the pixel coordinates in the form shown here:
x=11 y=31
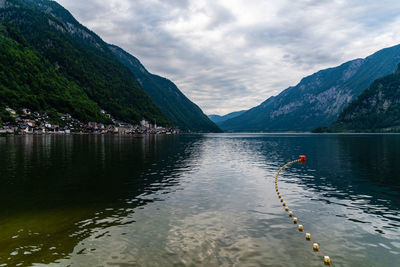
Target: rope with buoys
x=302 y=159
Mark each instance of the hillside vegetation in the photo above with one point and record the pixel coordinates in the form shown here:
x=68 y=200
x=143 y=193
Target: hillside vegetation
x=29 y=80
x=171 y=101
x=377 y=109
x=71 y=62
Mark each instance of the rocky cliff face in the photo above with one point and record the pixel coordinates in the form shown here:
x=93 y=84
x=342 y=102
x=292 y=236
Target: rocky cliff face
x=376 y=109
x=318 y=99
x=66 y=23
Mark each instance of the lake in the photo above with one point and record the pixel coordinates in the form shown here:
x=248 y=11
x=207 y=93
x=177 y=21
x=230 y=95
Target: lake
x=198 y=200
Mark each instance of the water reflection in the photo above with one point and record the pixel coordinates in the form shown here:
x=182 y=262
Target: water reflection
x=363 y=169
x=198 y=200
x=59 y=190
x=354 y=177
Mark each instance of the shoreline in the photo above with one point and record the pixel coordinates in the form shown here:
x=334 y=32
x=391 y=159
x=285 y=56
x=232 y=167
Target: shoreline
x=83 y=133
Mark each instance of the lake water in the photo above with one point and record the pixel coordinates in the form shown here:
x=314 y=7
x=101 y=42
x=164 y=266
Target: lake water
x=198 y=200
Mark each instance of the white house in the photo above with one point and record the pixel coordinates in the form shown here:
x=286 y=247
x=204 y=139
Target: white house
x=145 y=123
x=11 y=111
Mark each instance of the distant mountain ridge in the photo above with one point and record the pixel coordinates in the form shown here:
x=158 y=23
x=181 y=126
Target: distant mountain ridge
x=218 y=119
x=377 y=109
x=172 y=102
x=318 y=99
x=83 y=59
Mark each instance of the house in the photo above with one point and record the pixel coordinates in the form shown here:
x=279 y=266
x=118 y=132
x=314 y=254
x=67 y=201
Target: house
x=55 y=128
x=112 y=129
x=92 y=125
x=29 y=123
x=125 y=130
x=11 y=111
x=145 y=123
x=65 y=117
x=26 y=129
x=8 y=129
x=26 y=111
x=39 y=130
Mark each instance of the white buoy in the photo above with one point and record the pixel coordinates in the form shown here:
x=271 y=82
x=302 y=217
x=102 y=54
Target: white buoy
x=308 y=236
x=315 y=247
x=327 y=260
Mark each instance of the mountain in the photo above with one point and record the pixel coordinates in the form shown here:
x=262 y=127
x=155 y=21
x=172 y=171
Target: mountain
x=318 y=99
x=218 y=119
x=171 y=101
x=376 y=109
x=29 y=80
x=61 y=66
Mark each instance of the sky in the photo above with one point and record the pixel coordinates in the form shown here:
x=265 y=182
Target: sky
x=230 y=55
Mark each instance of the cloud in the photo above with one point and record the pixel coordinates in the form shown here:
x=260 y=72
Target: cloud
x=228 y=55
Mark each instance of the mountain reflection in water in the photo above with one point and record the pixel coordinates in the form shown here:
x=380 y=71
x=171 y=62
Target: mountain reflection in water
x=193 y=200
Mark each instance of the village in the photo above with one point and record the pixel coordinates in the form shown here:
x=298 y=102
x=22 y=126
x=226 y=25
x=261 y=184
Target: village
x=27 y=122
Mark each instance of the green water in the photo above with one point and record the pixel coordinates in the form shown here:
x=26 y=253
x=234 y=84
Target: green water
x=198 y=200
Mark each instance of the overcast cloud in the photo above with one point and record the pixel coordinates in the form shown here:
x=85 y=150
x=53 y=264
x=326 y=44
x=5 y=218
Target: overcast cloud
x=229 y=55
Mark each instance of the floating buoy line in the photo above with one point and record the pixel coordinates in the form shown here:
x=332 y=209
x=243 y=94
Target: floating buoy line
x=316 y=248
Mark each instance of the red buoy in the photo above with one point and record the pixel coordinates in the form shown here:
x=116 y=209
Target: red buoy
x=302 y=159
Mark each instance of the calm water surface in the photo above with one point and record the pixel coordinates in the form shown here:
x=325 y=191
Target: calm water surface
x=198 y=200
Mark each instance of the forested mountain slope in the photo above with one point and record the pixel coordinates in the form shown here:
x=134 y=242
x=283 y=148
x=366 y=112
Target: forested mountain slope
x=78 y=55
x=377 y=109
x=172 y=102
